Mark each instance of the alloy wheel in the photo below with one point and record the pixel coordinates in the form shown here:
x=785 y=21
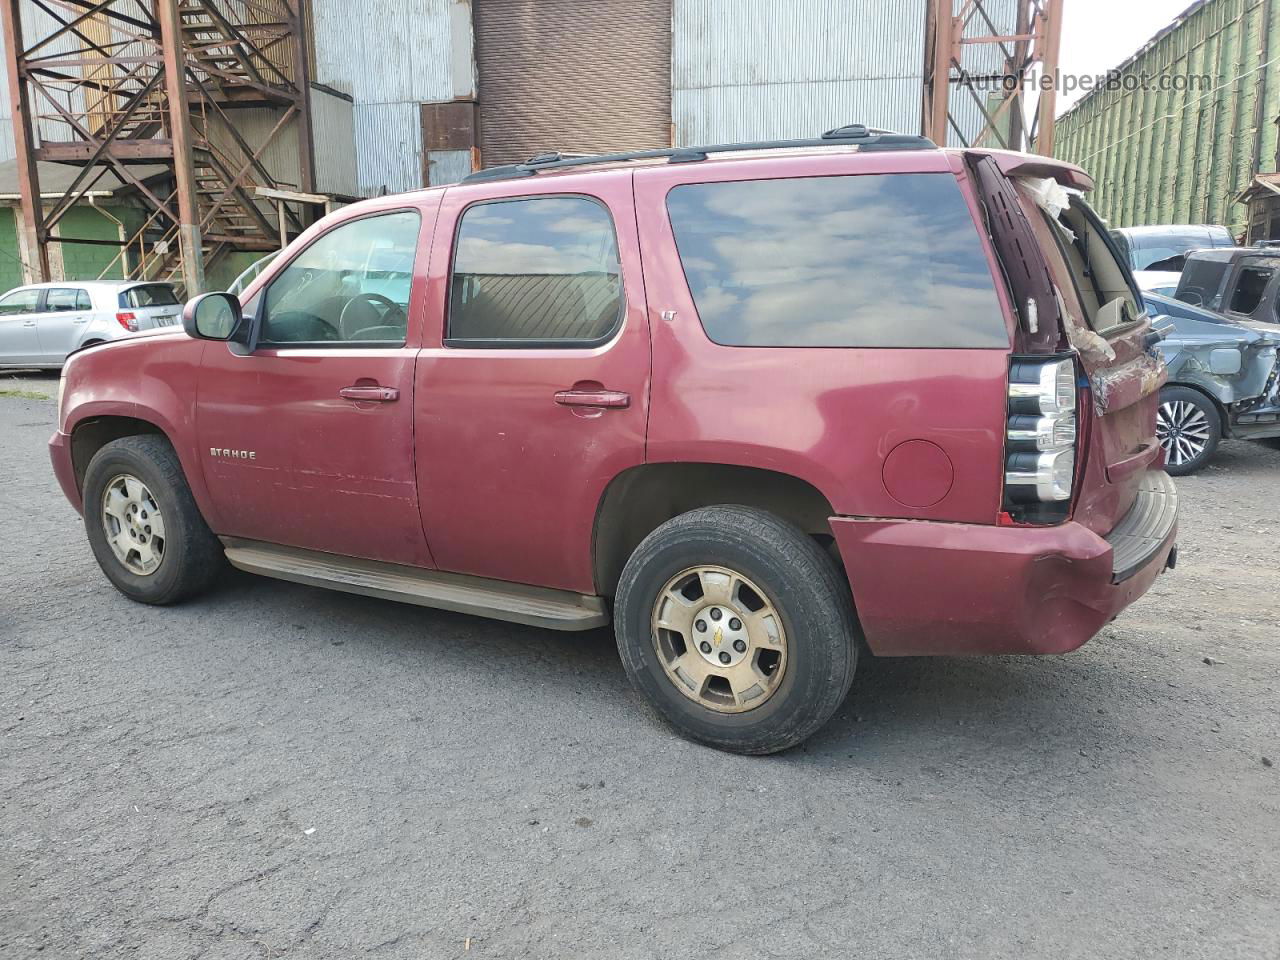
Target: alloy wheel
x=133 y=524
x=719 y=639
x=1183 y=431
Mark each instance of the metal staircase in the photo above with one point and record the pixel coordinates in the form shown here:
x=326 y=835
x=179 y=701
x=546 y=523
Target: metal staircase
x=106 y=102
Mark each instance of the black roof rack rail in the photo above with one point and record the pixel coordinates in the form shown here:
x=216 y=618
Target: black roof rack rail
x=867 y=138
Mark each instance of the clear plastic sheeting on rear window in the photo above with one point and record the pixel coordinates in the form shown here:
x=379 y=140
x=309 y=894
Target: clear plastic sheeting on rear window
x=879 y=260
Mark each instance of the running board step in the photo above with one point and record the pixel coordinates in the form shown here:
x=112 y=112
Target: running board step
x=516 y=602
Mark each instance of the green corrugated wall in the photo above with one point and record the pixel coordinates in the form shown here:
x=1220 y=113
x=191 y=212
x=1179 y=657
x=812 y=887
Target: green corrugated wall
x=85 y=261
x=10 y=262
x=80 y=261
x=1182 y=157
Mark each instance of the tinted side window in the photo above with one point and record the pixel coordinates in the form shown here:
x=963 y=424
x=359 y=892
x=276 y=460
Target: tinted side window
x=83 y=302
x=20 y=301
x=1250 y=286
x=62 y=299
x=350 y=285
x=541 y=271
x=856 y=261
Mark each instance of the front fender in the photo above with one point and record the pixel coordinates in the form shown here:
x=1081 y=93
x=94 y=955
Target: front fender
x=150 y=379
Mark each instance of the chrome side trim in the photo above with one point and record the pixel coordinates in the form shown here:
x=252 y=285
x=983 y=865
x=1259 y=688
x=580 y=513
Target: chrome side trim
x=514 y=602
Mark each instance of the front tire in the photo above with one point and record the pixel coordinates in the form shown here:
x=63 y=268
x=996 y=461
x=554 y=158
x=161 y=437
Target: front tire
x=1189 y=429
x=737 y=629
x=143 y=525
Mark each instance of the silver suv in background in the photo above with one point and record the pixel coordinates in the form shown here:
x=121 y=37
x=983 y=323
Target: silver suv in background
x=42 y=323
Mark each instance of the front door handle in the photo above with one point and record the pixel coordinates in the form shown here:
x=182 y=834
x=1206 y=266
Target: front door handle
x=370 y=392
x=593 y=398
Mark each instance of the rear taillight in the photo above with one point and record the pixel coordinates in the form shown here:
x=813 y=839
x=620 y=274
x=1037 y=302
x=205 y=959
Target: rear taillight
x=1040 y=440
x=127 y=320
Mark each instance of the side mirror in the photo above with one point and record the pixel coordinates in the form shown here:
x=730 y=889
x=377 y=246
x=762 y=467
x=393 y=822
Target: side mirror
x=212 y=316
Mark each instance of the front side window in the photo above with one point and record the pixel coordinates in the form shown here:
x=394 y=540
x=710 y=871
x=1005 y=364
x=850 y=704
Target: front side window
x=352 y=285
x=20 y=301
x=62 y=299
x=855 y=261
x=537 y=271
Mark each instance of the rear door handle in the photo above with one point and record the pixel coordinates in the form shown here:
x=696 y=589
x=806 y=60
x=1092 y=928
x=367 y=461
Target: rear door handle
x=593 y=398
x=375 y=393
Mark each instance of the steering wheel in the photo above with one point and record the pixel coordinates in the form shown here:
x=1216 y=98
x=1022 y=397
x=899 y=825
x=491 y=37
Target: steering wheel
x=1194 y=296
x=349 y=322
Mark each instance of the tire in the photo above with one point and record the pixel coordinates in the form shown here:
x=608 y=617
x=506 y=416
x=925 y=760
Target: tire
x=800 y=591
x=187 y=559
x=1189 y=429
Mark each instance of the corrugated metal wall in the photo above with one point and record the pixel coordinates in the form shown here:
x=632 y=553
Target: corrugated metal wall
x=334 y=137
x=390 y=56
x=1182 y=157
x=772 y=69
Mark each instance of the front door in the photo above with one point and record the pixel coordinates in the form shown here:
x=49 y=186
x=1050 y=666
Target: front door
x=535 y=392
x=308 y=440
x=61 y=323
x=19 y=342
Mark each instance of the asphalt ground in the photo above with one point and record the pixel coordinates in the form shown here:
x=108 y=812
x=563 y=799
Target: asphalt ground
x=275 y=770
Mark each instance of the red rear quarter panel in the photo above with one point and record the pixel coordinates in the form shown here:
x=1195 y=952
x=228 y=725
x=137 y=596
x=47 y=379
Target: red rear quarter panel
x=830 y=416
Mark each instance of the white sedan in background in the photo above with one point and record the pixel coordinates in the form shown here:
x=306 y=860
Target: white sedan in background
x=40 y=324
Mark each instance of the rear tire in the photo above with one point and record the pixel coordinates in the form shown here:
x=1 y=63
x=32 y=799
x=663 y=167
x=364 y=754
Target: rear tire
x=143 y=525
x=737 y=629
x=1189 y=429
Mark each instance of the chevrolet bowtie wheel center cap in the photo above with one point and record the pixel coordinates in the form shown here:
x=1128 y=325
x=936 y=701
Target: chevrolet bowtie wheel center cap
x=720 y=636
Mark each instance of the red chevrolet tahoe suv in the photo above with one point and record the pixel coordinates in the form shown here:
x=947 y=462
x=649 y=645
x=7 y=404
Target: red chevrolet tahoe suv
x=764 y=406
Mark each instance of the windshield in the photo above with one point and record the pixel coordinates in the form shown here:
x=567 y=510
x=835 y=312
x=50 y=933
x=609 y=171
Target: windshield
x=1201 y=283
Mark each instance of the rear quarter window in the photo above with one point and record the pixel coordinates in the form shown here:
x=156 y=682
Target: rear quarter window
x=877 y=260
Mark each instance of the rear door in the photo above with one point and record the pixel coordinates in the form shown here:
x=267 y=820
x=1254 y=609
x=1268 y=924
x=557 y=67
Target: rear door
x=62 y=321
x=19 y=342
x=533 y=394
x=152 y=305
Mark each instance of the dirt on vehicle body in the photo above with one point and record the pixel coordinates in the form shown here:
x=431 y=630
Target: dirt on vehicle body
x=756 y=406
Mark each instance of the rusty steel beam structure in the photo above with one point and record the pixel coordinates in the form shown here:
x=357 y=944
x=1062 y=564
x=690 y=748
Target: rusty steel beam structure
x=110 y=85
x=1010 y=89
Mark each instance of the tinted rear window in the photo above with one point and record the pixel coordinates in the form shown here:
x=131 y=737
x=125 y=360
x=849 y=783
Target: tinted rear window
x=889 y=260
x=541 y=270
x=149 y=295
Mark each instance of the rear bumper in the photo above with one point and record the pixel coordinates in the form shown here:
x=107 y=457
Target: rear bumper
x=924 y=588
x=64 y=468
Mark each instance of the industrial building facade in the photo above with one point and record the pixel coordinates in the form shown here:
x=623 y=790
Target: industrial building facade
x=407 y=93
x=1163 y=155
